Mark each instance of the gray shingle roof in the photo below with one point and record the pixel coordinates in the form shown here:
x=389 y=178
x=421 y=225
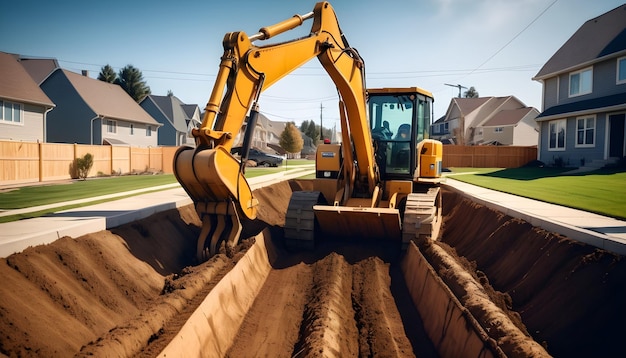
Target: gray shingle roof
x=597 y=38
x=17 y=85
x=172 y=108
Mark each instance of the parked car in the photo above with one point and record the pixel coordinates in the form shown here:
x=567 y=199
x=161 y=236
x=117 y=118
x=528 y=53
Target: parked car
x=261 y=159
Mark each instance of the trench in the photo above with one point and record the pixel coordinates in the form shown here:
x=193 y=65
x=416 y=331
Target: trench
x=492 y=285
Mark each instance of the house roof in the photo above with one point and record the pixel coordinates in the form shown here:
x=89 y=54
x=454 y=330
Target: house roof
x=597 y=38
x=190 y=110
x=39 y=68
x=271 y=126
x=17 y=85
x=468 y=105
x=508 y=117
x=614 y=102
x=108 y=100
x=172 y=109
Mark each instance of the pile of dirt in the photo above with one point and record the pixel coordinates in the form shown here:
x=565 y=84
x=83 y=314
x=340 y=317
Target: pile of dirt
x=569 y=295
x=127 y=291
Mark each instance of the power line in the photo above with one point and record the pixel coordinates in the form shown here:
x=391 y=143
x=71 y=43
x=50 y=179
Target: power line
x=514 y=37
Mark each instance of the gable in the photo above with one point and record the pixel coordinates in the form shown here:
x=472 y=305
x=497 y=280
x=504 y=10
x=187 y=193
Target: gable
x=600 y=37
x=172 y=109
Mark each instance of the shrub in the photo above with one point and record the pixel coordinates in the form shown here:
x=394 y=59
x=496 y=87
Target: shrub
x=83 y=166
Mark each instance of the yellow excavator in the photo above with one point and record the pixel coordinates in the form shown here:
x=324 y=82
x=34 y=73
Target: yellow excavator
x=381 y=181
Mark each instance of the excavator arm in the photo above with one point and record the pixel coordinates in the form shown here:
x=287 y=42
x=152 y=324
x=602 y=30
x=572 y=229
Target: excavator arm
x=212 y=177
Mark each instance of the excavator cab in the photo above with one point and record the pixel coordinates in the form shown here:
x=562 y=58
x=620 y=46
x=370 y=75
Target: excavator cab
x=400 y=120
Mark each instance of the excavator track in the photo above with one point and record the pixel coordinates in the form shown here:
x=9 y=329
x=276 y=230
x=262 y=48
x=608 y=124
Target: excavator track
x=300 y=219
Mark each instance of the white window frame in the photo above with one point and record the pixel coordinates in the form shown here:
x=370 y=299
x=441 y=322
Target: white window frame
x=16 y=112
x=621 y=65
x=498 y=129
x=111 y=126
x=558 y=123
x=581 y=92
x=148 y=131
x=585 y=130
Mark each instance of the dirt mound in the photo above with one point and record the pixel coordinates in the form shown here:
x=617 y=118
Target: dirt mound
x=569 y=295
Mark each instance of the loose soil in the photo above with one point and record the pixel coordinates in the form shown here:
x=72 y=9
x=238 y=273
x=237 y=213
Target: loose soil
x=127 y=291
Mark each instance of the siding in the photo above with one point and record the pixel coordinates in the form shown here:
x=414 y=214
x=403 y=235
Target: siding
x=70 y=121
x=138 y=139
x=31 y=128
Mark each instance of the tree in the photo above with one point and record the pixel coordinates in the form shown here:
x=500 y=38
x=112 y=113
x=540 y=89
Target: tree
x=291 y=139
x=311 y=130
x=471 y=93
x=131 y=80
x=107 y=74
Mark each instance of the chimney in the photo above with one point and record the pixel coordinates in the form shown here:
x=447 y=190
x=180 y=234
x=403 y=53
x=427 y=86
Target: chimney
x=85 y=73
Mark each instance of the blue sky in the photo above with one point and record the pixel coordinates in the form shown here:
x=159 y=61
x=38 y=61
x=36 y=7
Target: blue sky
x=497 y=46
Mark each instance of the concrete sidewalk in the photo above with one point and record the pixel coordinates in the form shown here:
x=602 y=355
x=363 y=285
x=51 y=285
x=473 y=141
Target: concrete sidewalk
x=15 y=236
x=597 y=230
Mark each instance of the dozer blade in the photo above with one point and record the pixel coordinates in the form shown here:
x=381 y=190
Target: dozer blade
x=221 y=194
x=359 y=222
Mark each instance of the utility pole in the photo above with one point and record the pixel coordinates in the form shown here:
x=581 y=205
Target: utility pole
x=321 y=126
x=459 y=87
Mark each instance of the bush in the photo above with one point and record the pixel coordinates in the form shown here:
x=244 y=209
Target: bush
x=83 y=166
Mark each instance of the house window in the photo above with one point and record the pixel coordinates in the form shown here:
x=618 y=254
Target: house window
x=585 y=131
x=10 y=112
x=556 y=140
x=148 y=131
x=580 y=82
x=621 y=70
x=132 y=129
x=498 y=129
x=111 y=126
x=445 y=127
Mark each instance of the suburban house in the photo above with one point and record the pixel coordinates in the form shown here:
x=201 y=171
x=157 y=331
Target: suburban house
x=487 y=121
x=266 y=136
x=584 y=95
x=177 y=119
x=24 y=107
x=90 y=111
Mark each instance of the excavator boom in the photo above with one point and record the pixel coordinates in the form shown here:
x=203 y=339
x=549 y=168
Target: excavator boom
x=212 y=177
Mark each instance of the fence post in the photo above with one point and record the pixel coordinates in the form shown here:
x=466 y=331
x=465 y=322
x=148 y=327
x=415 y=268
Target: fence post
x=40 y=161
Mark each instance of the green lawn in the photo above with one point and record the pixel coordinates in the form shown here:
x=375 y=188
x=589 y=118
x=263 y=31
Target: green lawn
x=48 y=194
x=36 y=195
x=602 y=191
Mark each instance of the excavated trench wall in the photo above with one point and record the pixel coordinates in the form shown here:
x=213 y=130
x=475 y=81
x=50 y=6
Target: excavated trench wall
x=113 y=295
x=214 y=325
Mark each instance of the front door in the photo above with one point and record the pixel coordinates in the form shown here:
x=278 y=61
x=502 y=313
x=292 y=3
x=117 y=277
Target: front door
x=616 y=135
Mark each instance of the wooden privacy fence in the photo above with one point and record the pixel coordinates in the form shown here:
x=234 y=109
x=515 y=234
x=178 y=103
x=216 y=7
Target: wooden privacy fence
x=487 y=156
x=25 y=162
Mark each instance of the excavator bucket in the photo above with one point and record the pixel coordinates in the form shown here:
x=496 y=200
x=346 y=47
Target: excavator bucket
x=221 y=194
